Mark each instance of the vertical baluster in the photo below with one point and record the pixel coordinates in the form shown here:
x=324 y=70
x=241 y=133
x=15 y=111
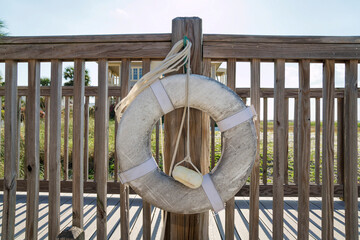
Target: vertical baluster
x=78 y=143
x=317 y=141
x=124 y=191
x=229 y=209
x=146 y=205
x=286 y=146
x=46 y=138
x=32 y=149
x=304 y=144
x=279 y=143
x=86 y=139
x=328 y=151
x=255 y=175
x=351 y=154
x=265 y=132
x=340 y=140
x=296 y=121
x=54 y=148
x=66 y=137
x=101 y=153
x=11 y=148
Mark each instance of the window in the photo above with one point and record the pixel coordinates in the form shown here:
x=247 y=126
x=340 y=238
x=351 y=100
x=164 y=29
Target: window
x=135 y=73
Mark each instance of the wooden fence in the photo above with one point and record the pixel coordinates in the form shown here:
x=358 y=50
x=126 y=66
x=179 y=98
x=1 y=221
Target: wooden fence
x=146 y=48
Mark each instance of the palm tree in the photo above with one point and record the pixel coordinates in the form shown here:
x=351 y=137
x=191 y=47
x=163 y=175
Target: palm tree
x=2 y=27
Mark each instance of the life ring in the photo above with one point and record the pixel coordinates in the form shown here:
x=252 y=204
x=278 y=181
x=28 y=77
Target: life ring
x=133 y=146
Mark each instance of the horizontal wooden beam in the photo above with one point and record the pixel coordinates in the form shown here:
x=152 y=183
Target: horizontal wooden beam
x=292 y=51
x=242 y=92
x=87 y=39
x=87 y=51
x=113 y=188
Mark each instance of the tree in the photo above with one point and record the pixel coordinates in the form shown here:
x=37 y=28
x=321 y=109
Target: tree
x=2 y=27
x=69 y=76
x=45 y=81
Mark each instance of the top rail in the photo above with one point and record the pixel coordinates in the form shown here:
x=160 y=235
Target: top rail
x=156 y=46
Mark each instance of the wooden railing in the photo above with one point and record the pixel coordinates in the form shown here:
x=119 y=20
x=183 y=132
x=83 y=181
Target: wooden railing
x=145 y=48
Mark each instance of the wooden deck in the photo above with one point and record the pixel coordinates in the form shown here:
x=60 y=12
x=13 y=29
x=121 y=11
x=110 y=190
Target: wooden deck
x=217 y=222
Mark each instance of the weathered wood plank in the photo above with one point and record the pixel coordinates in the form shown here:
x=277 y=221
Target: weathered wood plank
x=261 y=50
x=124 y=191
x=116 y=160
x=351 y=154
x=78 y=143
x=304 y=143
x=32 y=149
x=286 y=146
x=317 y=141
x=296 y=134
x=55 y=148
x=255 y=174
x=101 y=154
x=242 y=92
x=113 y=188
x=86 y=139
x=327 y=223
x=229 y=210
x=88 y=51
x=340 y=141
x=46 y=138
x=146 y=206
x=279 y=142
x=11 y=148
x=18 y=138
x=265 y=132
x=66 y=137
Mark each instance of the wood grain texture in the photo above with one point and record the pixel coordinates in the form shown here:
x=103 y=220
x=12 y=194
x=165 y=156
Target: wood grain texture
x=113 y=188
x=78 y=143
x=32 y=149
x=296 y=144
x=327 y=223
x=18 y=137
x=116 y=160
x=340 y=141
x=286 y=146
x=86 y=139
x=86 y=51
x=101 y=154
x=229 y=210
x=242 y=92
x=304 y=143
x=66 y=137
x=255 y=173
x=11 y=148
x=194 y=226
x=317 y=141
x=351 y=152
x=55 y=148
x=265 y=132
x=279 y=143
x=261 y=50
x=46 y=138
x=124 y=190
x=146 y=206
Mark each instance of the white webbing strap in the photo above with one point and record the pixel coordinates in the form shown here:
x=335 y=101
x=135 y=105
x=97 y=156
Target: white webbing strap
x=212 y=194
x=138 y=171
x=162 y=97
x=236 y=119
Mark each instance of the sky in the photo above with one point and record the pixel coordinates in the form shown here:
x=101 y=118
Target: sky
x=256 y=17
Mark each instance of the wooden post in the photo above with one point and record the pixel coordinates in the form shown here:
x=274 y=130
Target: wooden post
x=101 y=154
x=255 y=173
x=351 y=154
x=304 y=149
x=317 y=141
x=327 y=223
x=340 y=141
x=66 y=137
x=54 y=148
x=279 y=143
x=78 y=143
x=194 y=226
x=265 y=132
x=11 y=148
x=32 y=149
x=124 y=191
x=46 y=138
x=86 y=138
x=296 y=120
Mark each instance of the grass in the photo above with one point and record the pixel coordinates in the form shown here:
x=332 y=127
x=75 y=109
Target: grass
x=111 y=151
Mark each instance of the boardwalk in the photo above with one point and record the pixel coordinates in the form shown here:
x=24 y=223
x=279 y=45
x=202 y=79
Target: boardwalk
x=217 y=222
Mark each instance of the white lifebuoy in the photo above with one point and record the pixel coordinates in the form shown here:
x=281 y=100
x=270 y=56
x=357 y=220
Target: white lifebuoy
x=133 y=146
